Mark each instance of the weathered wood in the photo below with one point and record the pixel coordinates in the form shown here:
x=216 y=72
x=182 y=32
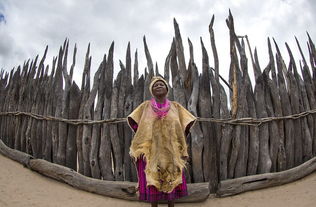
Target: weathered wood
x=12 y=106
x=312 y=100
x=295 y=104
x=196 y=132
x=264 y=164
x=50 y=112
x=117 y=149
x=58 y=87
x=150 y=66
x=71 y=147
x=62 y=127
x=227 y=130
x=215 y=141
x=277 y=108
x=237 y=101
x=87 y=129
x=136 y=74
x=96 y=130
x=32 y=125
x=312 y=59
x=16 y=155
x=115 y=189
x=180 y=57
x=85 y=88
x=254 y=182
x=178 y=90
x=40 y=104
x=122 y=82
x=251 y=160
x=273 y=127
x=205 y=111
x=105 y=144
x=243 y=89
x=286 y=110
x=123 y=190
x=127 y=109
x=20 y=107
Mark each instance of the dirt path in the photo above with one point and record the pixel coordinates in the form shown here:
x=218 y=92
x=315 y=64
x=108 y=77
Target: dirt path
x=20 y=186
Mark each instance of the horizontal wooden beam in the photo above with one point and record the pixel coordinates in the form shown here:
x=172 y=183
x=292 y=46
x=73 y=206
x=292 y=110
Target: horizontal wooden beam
x=16 y=155
x=254 y=182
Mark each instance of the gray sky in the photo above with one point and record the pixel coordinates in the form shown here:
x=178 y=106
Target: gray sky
x=27 y=26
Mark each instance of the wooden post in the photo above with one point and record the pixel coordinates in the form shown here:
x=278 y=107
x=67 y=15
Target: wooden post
x=295 y=103
x=50 y=112
x=71 y=146
x=62 y=127
x=196 y=132
x=58 y=87
x=215 y=143
x=127 y=109
x=96 y=131
x=205 y=111
x=264 y=164
x=117 y=150
x=286 y=110
x=85 y=89
x=150 y=66
x=87 y=129
x=105 y=144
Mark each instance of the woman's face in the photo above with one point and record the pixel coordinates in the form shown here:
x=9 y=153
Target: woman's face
x=159 y=89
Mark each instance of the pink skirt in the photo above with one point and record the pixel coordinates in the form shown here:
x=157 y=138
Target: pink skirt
x=150 y=193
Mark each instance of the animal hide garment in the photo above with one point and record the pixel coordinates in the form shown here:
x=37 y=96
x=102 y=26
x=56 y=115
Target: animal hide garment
x=162 y=142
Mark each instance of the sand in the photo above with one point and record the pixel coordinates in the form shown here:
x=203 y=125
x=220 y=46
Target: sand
x=20 y=186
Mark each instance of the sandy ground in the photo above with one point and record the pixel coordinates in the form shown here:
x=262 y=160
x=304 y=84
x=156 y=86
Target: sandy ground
x=20 y=186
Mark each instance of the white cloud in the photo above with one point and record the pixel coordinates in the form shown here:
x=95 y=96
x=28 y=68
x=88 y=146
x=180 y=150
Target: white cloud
x=33 y=24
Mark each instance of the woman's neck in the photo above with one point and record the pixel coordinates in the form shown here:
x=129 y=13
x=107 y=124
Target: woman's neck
x=160 y=100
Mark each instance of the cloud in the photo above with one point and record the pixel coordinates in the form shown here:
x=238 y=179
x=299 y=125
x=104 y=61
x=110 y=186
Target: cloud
x=31 y=25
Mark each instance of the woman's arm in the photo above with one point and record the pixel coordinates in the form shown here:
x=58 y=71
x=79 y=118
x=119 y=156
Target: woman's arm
x=132 y=124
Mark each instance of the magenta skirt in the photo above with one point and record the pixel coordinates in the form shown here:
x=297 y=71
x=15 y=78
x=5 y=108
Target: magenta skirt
x=150 y=193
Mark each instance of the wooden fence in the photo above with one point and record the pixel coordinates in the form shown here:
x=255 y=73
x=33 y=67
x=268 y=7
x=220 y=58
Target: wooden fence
x=268 y=126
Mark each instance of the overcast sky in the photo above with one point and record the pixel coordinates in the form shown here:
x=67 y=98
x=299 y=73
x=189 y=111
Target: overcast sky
x=27 y=26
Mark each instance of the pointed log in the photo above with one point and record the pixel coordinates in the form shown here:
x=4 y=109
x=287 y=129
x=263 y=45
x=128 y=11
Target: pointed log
x=215 y=151
x=85 y=89
x=264 y=164
x=180 y=52
x=96 y=131
x=117 y=149
x=205 y=111
x=150 y=66
x=196 y=132
x=71 y=146
x=105 y=145
x=62 y=127
x=50 y=112
x=136 y=74
x=87 y=129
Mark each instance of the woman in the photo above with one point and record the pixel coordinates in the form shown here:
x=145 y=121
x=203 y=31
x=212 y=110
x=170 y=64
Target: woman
x=159 y=145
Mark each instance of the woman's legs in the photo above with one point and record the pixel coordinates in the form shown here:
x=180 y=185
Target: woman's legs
x=170 y=203
x=154 y=204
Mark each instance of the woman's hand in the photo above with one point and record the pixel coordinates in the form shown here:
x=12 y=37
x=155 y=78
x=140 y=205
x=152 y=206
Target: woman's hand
x=185 y=158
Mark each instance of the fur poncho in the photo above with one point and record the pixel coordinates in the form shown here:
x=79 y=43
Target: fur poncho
x=162 y=142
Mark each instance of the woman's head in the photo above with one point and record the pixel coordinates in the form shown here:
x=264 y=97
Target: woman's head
x=158 y=87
